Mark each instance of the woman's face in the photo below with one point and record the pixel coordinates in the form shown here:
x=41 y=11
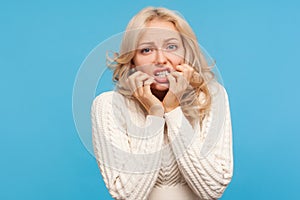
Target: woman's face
x=159 y=51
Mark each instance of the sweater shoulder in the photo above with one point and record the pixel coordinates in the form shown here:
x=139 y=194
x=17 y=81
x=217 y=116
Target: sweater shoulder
x=108 y=101
x=108 y=97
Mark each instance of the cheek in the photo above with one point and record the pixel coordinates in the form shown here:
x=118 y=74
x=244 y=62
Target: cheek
x=176 y=59
x=141 y=60
x=146 y=69
x=143 y=63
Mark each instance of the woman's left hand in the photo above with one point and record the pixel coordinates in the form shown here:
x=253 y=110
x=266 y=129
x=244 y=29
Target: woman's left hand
x=179 y=80
x=186 y=71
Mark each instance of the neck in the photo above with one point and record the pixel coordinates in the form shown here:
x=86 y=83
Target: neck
x=159 y=94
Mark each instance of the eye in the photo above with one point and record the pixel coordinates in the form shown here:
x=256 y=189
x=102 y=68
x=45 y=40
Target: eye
x=172 y=47
x=146 y=50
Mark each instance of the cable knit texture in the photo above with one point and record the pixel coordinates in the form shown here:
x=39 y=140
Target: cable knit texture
x=147 y=157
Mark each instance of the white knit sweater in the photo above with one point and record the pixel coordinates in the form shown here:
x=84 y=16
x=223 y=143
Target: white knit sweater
x=142 y=156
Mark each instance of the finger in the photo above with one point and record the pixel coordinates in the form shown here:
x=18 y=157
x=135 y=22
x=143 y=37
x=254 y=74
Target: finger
x=188 y=67
x=147 y=84
x=142 y=76
x=179 y=68
x=147 y=89
x=137 y=74
x=172 y=80
x=139 y=82
x=132 y=77
x=184 y=68
x=149 y=81
x=180 y=79
x=177 y=75
x=188 y=71
x=133 y=83
x=140 y=79
x=173 y=86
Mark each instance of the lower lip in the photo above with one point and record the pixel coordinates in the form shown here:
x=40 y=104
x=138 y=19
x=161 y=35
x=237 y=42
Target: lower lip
x=161 y=79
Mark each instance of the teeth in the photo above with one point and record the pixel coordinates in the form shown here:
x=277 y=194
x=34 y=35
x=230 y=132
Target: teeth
x=162 y=74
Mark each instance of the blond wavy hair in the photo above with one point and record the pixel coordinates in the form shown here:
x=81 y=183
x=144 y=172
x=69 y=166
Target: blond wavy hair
x=192 y=105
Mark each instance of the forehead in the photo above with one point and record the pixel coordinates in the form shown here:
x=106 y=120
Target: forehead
x=158 y=30
x=157 y=23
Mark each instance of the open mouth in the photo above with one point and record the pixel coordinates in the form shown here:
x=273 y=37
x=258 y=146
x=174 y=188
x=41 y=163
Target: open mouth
x=162 y=74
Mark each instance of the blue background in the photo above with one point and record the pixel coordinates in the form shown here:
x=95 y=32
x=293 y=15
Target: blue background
x=43 y=43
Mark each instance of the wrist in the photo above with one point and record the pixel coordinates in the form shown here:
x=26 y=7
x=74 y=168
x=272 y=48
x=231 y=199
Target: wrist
x=157 y=110
x=169 y=109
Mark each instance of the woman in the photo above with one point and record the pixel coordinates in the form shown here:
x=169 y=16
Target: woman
x=165 y=133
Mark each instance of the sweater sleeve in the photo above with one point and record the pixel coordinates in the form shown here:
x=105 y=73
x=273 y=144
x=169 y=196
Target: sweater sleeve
x=204 y=155
x=128 y=152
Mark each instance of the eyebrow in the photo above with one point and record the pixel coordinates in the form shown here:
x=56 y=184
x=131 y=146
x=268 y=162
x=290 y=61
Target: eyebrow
x=152 y=43
x=167 y=40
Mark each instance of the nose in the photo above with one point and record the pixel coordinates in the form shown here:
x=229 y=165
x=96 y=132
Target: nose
x=160 y=57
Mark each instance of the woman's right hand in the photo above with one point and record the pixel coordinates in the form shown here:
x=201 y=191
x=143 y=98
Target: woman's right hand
x=139 y=83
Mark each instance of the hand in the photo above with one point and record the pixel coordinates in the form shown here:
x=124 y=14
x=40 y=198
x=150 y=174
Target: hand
x=186 y=71
x=178 y=82
x=139 y=84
